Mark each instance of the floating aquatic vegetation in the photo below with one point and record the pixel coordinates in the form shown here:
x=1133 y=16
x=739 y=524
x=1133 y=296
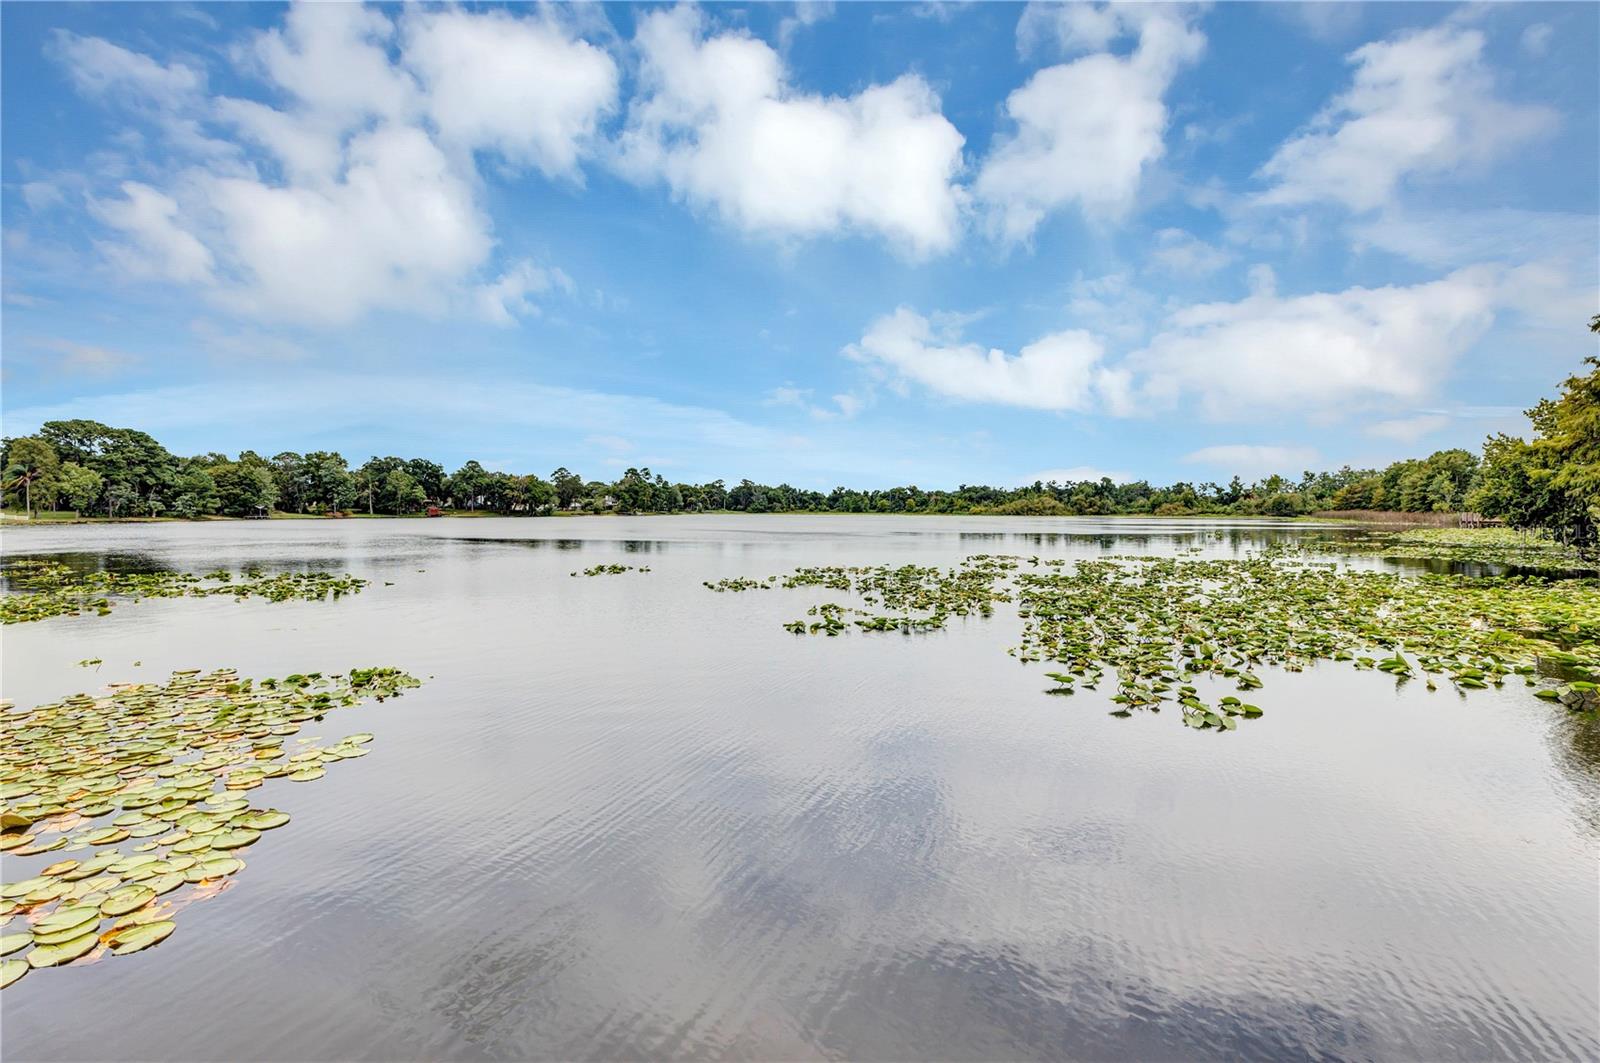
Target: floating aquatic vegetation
x=741 y=583
x=1160 y=624
x=1481 y=546
x=162 y=762
x=611 y=570
x=39 y=589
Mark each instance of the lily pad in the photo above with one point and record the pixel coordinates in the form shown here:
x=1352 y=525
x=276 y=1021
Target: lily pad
x=265 y=819
x=66 y=952
x=65 y=918
x=141 y=936
x=165 y=883
x=155 y=760
x=237 y=838
x=11 y=970
x=125 y=899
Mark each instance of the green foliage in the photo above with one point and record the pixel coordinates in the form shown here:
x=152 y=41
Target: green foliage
x=31 y=470
x=163 y=762
x=244 y=490
x=1162 y=625
x=568 y=487
x=402 y=493
x=1030 y=504
x=1553 y=481
x=41 y=589
x=79 y=487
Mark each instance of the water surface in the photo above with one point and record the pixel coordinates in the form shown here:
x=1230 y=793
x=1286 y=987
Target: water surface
x=626 y=817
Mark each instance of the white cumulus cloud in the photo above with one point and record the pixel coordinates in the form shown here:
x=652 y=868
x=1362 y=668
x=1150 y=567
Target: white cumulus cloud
x=1085 y=131
x=156 y=243
x=519 y=86
x=718 y=122
x=1324 y=350
x=398 y=228
x=1060 y=371
x=1420 y=105
x=360 y=191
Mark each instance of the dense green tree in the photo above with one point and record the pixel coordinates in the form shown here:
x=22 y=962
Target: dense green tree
x=289 y=481
x=245 y=489
x=80 y=487
x=120 y=498
x=1553 y=481
x=468 y=486
x=429 y=476
x=31 y=468
x=402 y=493
x=568 y=487
x=634 y=492
x=370 y=480
x=327 y=485
x=538 y=495
x=195 y=492
x=79 y=442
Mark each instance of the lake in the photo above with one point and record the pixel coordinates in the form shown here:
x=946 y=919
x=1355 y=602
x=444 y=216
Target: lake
x=626 y=817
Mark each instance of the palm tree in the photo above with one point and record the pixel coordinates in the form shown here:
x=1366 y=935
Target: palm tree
x=29 y=461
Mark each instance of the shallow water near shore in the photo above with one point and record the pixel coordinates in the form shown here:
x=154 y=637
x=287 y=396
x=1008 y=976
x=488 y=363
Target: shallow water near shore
x=626 y=817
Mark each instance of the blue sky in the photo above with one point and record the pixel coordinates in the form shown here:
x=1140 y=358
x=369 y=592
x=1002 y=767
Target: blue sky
x=855 y=243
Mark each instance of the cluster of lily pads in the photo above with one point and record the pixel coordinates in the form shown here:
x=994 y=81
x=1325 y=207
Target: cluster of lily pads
x=1463 y=546
x=1162 y=624
x=38 y=588
x=741 y=583
x=922 y=598
x=163 y=768
x=611 y=570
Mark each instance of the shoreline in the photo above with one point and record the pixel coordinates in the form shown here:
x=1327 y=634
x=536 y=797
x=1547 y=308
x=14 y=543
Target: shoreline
x=16 y=520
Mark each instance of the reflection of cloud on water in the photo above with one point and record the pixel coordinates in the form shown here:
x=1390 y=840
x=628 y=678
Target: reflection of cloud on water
x=959 y=1000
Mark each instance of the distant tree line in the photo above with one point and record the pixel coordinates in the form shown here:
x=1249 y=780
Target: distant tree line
x=119 y=472
x=1551 y=482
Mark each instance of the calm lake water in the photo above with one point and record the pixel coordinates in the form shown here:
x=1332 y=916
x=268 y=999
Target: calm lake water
x=627 y=817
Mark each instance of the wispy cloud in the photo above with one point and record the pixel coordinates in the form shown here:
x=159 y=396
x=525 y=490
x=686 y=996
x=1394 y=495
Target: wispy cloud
x=1253 y=458
x=71 y=358
x=1076 y=474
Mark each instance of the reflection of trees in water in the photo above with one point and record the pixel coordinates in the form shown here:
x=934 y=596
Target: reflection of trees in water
x=630 y=545
x=1575 y=744
x=146 y=563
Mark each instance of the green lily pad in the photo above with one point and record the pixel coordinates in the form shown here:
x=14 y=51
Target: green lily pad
x=65 y=952
x=11 y=970
x=142 y=936
x=127 y=898
x=165 y=883
x=65 y=934
x=65 y=918
x=22 y=888
x=265 y=819
x=237 y=838
x=156 y=760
